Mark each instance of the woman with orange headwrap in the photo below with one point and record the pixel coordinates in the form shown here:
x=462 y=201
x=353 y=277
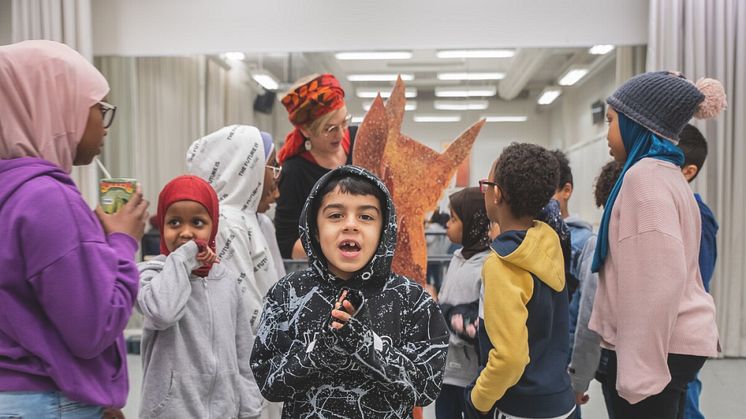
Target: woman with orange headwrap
x=322 y=140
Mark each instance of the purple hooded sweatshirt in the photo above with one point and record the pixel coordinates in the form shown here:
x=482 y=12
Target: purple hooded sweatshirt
x=66 y=289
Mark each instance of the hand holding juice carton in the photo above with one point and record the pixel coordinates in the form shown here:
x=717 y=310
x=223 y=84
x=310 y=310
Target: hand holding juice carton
x=115 y=192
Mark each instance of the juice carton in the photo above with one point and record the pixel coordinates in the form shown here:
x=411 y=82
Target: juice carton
x=115 y=192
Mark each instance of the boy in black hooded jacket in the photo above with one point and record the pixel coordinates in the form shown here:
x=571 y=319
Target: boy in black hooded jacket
x=347 y=338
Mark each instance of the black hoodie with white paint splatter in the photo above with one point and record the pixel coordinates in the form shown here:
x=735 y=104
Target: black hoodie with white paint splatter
x=388 y=358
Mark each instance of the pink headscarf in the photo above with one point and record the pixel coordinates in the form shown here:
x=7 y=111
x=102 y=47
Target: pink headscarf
x=46 y=91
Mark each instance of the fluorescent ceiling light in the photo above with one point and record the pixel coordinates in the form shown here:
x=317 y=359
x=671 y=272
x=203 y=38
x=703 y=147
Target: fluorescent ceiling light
x=265 y=79
x=374 y=55
x=379 y=77
x=368 y=93
x=549 y=95
x=234 y=56
x=601 y=49
x=475 y=53
x=471 y=76
x=357 y=119
x=461 y=105
x=471 y=91
x=572 y=76
x=409 y=106
x=505 y=118
x=437 y=118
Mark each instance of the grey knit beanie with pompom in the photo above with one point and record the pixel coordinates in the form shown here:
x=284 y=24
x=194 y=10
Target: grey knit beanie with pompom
x=664 y=101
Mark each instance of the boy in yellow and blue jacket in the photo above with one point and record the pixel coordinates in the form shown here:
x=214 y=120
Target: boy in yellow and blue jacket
x=523 y=329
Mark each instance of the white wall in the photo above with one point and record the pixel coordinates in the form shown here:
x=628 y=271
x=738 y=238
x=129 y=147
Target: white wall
x=586 y=162
x=6 y=30
x=493 y=137
x=570 y=116
x=572 y=130
x=178 y=27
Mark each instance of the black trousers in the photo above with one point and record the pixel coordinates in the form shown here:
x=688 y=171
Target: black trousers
x=451 y=403
x=668 y=404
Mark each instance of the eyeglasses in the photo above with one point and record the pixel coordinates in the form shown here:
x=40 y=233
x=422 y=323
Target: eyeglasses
x=275 y=171
x=107 y=112
x=331 y=130
x=484 y=183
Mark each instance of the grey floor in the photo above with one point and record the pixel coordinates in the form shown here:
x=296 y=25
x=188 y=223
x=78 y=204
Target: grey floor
x=723 y=394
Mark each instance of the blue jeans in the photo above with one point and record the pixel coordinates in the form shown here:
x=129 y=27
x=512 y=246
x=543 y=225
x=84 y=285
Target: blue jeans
x=44 y=405
x=691 y=411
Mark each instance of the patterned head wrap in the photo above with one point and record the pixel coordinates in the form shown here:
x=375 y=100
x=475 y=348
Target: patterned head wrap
x=316 y=98
x=307 y=103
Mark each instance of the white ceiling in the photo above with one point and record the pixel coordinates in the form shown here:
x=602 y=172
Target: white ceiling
x=179 y=27
x=425 y=66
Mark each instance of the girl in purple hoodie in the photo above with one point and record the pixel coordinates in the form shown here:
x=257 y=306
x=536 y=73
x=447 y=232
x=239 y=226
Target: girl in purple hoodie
x=69 y=279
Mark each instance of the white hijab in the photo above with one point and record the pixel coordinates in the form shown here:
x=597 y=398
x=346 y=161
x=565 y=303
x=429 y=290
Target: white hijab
x=232 y=161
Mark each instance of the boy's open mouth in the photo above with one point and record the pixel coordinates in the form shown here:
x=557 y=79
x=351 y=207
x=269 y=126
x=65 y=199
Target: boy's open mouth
x=349 y=248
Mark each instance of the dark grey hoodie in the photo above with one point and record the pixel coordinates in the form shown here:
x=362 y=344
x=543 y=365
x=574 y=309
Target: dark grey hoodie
x=388 y=358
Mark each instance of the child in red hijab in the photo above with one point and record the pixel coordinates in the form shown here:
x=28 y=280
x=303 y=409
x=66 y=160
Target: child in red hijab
x=197 y=339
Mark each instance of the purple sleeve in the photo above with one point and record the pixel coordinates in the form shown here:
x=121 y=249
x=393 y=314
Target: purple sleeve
x=89 y=292
x=84 y=281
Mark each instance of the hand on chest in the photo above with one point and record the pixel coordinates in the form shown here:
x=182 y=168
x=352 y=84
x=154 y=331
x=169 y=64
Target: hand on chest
x=383 y=313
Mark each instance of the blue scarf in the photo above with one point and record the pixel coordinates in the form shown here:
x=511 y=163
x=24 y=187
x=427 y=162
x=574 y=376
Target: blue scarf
x=639 y=142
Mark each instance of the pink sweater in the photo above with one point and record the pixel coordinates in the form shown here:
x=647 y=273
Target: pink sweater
x=650 y=299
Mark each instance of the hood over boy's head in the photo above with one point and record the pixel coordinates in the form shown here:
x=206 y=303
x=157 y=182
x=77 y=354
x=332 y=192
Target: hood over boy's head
x=348 y=226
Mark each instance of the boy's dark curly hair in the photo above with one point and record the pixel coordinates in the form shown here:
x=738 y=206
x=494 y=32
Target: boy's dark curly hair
x=605 y=181
x=528 y=175
x=565 y=173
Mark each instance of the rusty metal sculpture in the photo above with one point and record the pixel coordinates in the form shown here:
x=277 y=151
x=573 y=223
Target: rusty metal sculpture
x=415 y=174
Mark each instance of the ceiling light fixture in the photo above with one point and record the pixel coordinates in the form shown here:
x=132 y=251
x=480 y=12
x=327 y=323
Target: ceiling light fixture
x=601 y=49
x=472 y=91
x=379 y=77
x=572 y=76
x=409 y=106
x=475 y=53
x=368 y=93
x=234 y=56
x=471 y=76
x=265 y=79
x=437 y=118
x=458 y=105
x=549 y=95
x=505 y=118
x=373 y=55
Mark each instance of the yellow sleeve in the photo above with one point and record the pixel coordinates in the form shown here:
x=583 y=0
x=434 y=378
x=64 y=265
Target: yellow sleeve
x=507 y=290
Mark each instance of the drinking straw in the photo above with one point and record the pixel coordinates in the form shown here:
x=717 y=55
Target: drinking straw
x=103 y=169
